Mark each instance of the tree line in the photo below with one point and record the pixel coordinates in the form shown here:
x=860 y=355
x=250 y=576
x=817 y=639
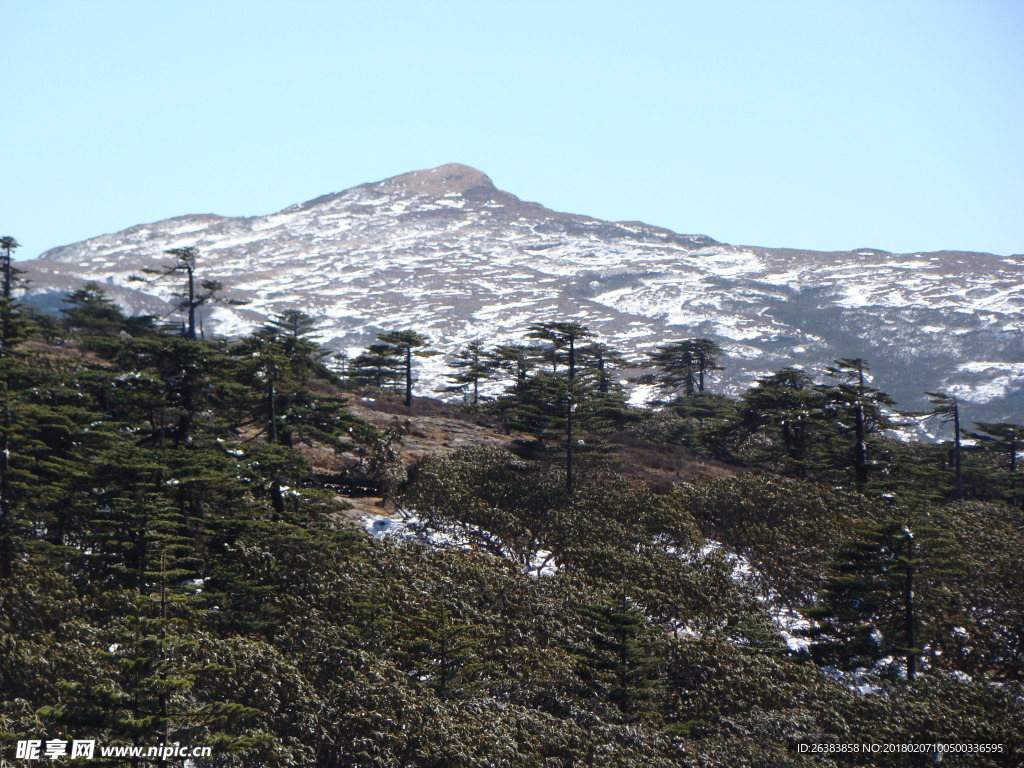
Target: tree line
x=172 y=565
x=563 y=383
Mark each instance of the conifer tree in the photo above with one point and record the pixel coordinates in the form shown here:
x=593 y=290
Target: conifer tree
x=683 y=366
x=377 y=367
x=404 y=342
x=515 y=360
x=194 y=294
x=869 y=610
x=860 y=403
x=471 y=366
x=13 y=325
x=565 y=396
x=90 y=312
x=281 y=357
x=177 y=381
x=1004 y=440
x=8 y=244
x=947 y=409
x=789 y=405
x=44 y=434
x=442 y=648
x=604 y=361
x=134 y=532
x=296 y=328
x=619 y=662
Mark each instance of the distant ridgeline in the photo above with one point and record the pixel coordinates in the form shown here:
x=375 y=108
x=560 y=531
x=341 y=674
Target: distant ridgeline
x=447 y=253
x=767 y=579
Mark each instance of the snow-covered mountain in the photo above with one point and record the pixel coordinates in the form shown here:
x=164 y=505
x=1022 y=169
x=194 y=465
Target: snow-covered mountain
x=447 y=253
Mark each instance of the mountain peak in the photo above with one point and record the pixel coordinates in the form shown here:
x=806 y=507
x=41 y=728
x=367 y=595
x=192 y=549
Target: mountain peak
x=444 y=251
x=451 y=178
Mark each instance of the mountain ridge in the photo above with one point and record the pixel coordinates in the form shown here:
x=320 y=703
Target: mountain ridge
x=446 y=251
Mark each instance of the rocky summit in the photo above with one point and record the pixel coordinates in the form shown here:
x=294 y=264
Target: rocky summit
x=446 y=252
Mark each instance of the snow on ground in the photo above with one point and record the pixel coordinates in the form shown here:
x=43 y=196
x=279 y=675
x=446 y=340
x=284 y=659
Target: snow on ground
x=454 y=269
x=463 y=536
x=789 y=622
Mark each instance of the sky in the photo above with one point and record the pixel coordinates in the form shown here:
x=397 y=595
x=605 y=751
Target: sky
x=823 y=125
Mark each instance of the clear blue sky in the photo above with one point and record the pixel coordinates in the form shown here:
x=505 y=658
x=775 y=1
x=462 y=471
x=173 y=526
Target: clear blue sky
x=895 y=124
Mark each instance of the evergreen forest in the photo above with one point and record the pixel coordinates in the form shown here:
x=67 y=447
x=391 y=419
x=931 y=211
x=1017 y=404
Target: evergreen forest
x=704 y=581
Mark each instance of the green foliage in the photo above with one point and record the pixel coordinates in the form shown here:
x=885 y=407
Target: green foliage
x=620 y=662
x=789 y=529
x=403 y=344
x=471 y=366
x=195 y=292
x=869 y=610
x=176 y=571
x=683 y=366
x=90 y=313
x=377 y=367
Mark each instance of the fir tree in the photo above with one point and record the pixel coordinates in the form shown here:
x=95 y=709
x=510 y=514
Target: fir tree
x=790 y=407
x=377 y=367
x=565 y=395
x=605 y=361
x=90 y=312
x=947 y=409
x=871 y=608
x=683 y=366
x=196 y=292
x=13 y=325
x=619 y=662
x=861 y=404
x=471 y=367
x=404 y=342
x=515 y=360
x=1004 y=440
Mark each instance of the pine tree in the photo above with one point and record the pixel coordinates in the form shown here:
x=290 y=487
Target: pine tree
x=145 y=694
x=404 y=342
x=868 y=610
x=13 y=322
x=45 y=433
x=193 y=295
x=134 y=532
x=619 y=662
x=378 y=367
x=790 y=407
x=442 y=648
x=280 y=357
x=947 y=409
x=515 y=360
x=861 y=404
x=605 y=361
x=184 y=385
x=565 y=395
x=683 y=366
x=1004 y=440
x=471 y=366
x=8 y=244
x=90 y=312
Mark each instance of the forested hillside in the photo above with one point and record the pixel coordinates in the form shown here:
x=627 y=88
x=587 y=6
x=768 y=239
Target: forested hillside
x=705 y=582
